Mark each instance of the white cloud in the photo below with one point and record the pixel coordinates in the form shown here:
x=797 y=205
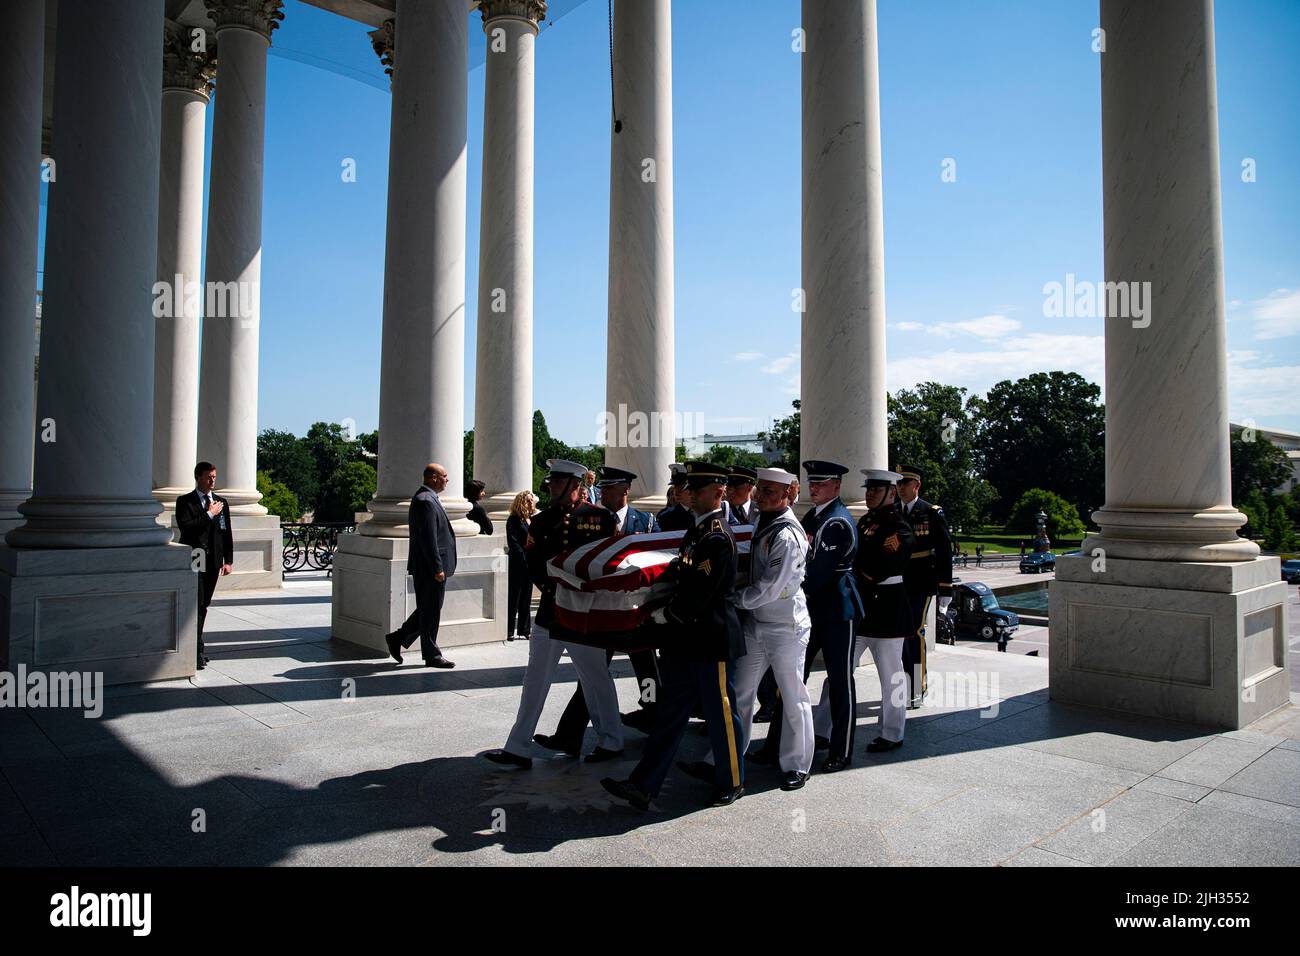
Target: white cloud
x=985 y=327
x=746 y=356
x=782 y=364
x=1277 y=315
x=979 y=370
x=1262 y=392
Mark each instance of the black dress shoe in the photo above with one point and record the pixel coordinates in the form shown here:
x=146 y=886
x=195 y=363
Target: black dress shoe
x=201 y=663
x=880 y=745
x=821 y=743
x=698 y=769
x=509 y=759
x=641 y=720
x=723 y=798
x=794 y=780
x=601 y=754
x=833 y=764
x=764 y=715
x=627 y=790
x=551 y=742
x=394 y=646
x=439 y=662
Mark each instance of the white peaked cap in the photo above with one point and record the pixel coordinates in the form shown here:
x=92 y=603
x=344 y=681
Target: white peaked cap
x=779 y=475
x=562 y=466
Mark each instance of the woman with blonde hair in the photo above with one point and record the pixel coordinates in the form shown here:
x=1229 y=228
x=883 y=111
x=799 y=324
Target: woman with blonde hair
x=519 y=596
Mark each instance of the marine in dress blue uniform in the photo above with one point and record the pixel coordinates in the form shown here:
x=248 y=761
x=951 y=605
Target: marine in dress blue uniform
x=929 y=573
x=885 y=543
x=614 y=485
x=700 y=644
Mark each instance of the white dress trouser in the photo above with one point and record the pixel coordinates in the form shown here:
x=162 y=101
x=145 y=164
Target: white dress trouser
x=781 y=647
x=888 y=655
x=597 y=688
x=822 y=724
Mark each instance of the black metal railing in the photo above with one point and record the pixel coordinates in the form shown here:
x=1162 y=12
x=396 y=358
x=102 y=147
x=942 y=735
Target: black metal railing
x=310 y=547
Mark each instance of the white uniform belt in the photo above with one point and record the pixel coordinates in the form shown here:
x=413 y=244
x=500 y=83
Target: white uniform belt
x=896 y=579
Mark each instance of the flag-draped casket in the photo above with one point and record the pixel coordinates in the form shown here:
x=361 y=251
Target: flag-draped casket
x=609 y=587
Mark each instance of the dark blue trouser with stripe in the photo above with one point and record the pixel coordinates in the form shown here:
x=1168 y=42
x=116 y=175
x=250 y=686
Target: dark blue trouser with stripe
x=713 y=685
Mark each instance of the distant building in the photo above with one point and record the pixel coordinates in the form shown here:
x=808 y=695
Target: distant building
x=1289 y=442
x=701 y=445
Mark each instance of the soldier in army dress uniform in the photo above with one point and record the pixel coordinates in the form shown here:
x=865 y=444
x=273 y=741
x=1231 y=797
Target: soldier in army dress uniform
x=698 y=650
x=929 y=572
x=885 y=543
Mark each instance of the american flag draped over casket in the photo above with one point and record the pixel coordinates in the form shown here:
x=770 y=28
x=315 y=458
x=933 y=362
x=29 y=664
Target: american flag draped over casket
x=608 y=585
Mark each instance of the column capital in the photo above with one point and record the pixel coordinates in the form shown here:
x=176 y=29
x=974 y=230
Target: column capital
x=532 y=10
x=260 y=16
x=184 y=68
x=384 y=41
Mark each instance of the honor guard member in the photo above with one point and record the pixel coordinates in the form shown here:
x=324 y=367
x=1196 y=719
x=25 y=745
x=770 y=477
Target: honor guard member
x=884 y=548
x=740 y=494
x=929 y=573
x=698 y=653
x=777 y=625
x=615 y=485
x=833 y=602
x=567 y=523
x=677 y=516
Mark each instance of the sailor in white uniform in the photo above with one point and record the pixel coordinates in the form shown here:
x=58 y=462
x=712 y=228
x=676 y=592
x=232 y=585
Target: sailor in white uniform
x=777 y=626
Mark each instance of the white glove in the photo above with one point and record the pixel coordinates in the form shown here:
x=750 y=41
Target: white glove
x=943 y=604
x=660 y=616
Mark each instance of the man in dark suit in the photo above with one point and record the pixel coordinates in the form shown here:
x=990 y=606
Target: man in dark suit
x=432 y=560
x=204 y=519
x=740 y=494
x=677 y=516
x=698 y=657
x=615 y=486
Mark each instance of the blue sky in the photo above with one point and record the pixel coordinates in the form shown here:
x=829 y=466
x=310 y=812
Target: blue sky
x=1010 y=90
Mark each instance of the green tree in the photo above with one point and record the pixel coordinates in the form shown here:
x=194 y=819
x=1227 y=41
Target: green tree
x=1257 y=465
x=368 y=442
x=785 y=436
x=469 y=455
x=1062 y=516
x=728 y=455
x=277 y=498
x=346 y=492
x=330 y=448
x=286 y=459
x=1043 y=431
x=932 y=428
x=1281 y=533
x=1256 y=506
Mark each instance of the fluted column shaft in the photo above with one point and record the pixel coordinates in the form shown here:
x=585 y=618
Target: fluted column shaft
x=422 y=370
x=640 y=374
x=22 y=49
x=92 y=481
x=1168 y=481
x=842 y=351
x=503 y=397
x=228 y=380
x=180 y=262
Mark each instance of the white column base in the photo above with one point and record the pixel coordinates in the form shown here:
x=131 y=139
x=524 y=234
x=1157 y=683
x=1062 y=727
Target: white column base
x=372 y=593
x=498 y=506
x=128 y=613
x=1201 y=642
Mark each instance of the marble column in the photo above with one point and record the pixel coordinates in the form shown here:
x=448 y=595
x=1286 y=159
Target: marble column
x=842 y=346
x=187 y=84
x=503 y=397
x=22 y=55
x=422 y=362
x=422 y=378
x=227 y=434
x=640 y=432
x=89 y=581
x=228 y=381
x=1166 y=612
x=1168 y=477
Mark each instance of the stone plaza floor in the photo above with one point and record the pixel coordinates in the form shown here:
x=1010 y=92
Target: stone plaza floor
x=295 y=749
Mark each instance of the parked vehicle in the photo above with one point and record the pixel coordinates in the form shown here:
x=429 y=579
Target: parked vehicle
x=974 y=612
x=1036 y=562
x=1291 y=571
